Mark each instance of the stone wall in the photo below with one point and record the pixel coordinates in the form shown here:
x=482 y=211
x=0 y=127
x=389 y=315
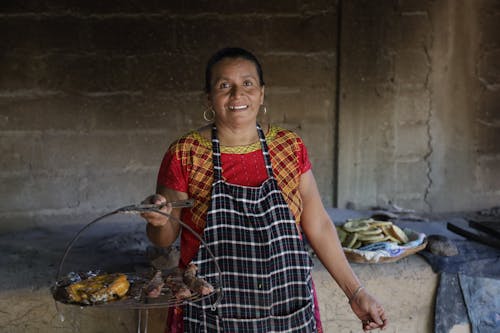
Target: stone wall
x=92 y=93
x=419 y=122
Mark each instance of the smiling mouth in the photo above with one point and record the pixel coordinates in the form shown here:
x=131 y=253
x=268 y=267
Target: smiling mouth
x=237 y=107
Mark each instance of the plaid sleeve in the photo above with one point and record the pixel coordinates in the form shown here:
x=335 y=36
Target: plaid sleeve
x=171 y=173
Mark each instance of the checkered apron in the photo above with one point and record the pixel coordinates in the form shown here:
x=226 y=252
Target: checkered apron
x=266 y=272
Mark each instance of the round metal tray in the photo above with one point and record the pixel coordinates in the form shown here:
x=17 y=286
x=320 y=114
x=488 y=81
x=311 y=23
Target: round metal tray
x=135 y=298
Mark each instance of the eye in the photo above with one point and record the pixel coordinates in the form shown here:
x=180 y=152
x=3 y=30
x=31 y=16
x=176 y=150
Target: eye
x=223 y=85
x=248 y=83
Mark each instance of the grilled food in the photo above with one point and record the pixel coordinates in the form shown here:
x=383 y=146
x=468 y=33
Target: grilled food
x=194 y=283
x=183 y=283
x=98 y=289
x=175 y=282
x=153 y=287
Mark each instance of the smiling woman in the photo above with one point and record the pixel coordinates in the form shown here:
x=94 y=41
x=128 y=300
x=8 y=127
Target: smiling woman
x=254 y=194
x=235 y=92
x=236 y=97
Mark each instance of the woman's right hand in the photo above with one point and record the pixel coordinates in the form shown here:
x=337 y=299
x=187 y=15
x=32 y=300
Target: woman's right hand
x=155 y=219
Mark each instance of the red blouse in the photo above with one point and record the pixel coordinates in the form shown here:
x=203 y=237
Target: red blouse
x=187 y=167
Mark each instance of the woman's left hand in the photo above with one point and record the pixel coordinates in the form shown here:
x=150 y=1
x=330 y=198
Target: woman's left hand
x=369 y=310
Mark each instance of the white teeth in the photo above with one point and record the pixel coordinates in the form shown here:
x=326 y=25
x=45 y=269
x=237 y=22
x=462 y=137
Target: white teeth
x=241 y=107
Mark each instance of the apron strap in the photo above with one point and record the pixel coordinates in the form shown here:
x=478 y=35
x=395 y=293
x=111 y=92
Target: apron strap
x=217 y=158
x=216 y=155
x=265 y=152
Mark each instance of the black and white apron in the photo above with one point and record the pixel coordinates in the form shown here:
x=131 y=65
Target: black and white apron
x=266 y=271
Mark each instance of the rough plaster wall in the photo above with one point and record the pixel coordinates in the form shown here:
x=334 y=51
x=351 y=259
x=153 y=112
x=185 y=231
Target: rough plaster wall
x=467 y=155
x=455 y=55
x=419 y=107
x=92 y=93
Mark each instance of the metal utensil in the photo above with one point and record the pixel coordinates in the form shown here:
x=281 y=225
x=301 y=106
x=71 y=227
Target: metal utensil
x=148 y=207
x=166 y=301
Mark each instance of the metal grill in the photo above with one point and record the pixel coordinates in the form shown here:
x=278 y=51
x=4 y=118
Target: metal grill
x=136 y=298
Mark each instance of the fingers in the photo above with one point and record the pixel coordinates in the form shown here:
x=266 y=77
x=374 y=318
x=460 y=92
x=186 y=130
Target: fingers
x=376 y=314
x=377 y=319
x=384 y=320
x=158 y=199
x=155 y=199
x=153 y=218
x=371 y=325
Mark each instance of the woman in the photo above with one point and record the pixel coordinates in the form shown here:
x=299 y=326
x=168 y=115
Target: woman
x=254 y=195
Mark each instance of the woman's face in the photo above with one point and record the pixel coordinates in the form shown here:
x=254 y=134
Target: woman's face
x=236 y=94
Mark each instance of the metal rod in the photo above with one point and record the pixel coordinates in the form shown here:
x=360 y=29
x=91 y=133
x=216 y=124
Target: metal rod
x=147 y=207
x=138 y=209
x=139 y=315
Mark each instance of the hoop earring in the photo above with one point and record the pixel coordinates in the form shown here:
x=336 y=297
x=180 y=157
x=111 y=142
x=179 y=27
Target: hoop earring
x=263 y=108
x=207 y=119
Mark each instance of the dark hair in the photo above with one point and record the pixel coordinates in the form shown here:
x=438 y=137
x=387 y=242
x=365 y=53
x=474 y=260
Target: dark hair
x=230 y=52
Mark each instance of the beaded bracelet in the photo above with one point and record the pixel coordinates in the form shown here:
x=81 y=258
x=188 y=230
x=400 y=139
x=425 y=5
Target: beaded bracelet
x=355 y=293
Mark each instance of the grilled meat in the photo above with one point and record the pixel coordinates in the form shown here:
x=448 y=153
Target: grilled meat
x=175 y=282
x=194 y=283
x=154 y=286
x=98 y=289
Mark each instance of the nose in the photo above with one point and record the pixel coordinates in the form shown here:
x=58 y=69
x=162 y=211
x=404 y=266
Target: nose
x=236 y=91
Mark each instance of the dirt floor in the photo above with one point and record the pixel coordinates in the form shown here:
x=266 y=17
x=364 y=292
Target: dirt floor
x=31 y=260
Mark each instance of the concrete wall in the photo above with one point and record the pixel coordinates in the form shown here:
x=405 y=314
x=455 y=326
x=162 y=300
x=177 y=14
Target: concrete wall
x=419 y=121
x=92 y=93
